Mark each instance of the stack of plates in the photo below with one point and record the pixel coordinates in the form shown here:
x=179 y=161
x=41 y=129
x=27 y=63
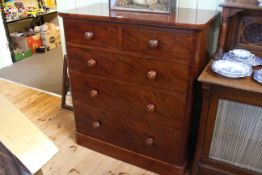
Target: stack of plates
x=231 y=69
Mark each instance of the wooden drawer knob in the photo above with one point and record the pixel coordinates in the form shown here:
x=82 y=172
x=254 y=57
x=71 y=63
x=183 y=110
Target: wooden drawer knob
x=150 y=108
x=151 y=75
x=89 y=35
x=149 y=141
x=91 y=63
x=93 y=93
x=96 y=125
x=153 y=43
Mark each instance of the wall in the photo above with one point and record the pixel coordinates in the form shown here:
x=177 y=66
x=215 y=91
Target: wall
x=5 y=56
x=200 y=4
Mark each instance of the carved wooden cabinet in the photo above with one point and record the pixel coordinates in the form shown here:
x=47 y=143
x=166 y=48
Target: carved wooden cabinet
x=230 y=139
x=242 y=27
x=132 y=76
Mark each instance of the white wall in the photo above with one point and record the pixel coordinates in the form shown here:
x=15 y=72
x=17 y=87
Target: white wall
x=200 y=4
x=5 y=56
x=70 y=4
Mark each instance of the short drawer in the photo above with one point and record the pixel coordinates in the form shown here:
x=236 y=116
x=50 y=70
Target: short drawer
x=91 y=33
x=156 y=108
x=144 y=72
x=174 y=45
x=156 y=142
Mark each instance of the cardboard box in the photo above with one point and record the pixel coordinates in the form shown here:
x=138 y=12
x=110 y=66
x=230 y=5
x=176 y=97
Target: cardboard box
x=26 y=41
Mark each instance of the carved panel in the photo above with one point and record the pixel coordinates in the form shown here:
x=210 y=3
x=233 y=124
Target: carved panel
x=253 y=33
x=251 y=30
x=249 y=34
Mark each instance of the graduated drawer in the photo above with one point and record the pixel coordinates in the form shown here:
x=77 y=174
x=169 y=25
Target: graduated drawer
x=156 y=108
x=144 y=72
x=173 y=45
x=91 y=33
x=154 y=141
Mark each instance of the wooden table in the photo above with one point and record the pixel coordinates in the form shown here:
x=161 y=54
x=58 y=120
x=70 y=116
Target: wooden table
x=58 y=124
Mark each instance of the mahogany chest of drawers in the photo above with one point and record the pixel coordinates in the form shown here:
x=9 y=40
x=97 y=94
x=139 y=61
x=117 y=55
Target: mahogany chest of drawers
x=132 y=76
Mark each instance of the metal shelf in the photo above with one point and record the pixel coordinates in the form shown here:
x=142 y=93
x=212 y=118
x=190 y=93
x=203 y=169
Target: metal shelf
x=30 y=17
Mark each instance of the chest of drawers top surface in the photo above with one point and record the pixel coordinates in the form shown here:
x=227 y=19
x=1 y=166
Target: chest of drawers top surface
x=182 y=17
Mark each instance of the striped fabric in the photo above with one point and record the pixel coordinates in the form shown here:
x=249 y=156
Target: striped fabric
x=237 y=137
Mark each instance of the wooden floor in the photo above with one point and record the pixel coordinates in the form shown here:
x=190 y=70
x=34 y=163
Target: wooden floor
x=58 y=124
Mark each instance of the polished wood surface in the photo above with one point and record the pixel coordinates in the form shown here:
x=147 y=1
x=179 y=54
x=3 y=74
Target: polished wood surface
x=133 y=82
x=181 y=17
x=130 y=134
x=149 y=73
x=117 y=98
x=247 y=84
x=164 y=46
x=58 y=124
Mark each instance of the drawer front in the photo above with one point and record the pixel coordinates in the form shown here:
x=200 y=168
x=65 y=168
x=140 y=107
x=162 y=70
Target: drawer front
x=148 y=73
x=172 y=45
x=156 y=108
x=91 y=33
x=156 y=142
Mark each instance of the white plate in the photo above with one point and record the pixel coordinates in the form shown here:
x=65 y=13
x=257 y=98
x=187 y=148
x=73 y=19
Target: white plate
x=258 y=75
x=231 y=69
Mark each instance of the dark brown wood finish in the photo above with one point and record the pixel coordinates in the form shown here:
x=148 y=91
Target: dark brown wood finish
x=148 y=73
x=133 y=80
x=241 y=28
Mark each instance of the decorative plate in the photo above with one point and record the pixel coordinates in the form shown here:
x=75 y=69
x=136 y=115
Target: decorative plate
x=258 y=75
x=231 y=69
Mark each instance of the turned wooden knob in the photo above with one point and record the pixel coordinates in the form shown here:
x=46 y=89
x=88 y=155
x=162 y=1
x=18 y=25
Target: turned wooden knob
x=91 y=63
x=93 y=93
x=149 y=141
x=150 y=108
x=151 y=75
x=153 y=43
x=96 y=124
x=89 y=35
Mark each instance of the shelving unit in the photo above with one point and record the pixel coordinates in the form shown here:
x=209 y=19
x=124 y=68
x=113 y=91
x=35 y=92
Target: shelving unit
x=31 y=17
x=39 y=18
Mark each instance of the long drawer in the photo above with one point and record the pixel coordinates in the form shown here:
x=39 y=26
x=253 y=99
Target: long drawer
x=161 y=143
x=156 y=108
x=145 y=72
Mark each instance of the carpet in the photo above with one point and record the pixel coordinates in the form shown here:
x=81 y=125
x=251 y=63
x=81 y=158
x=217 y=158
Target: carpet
x=41 y=71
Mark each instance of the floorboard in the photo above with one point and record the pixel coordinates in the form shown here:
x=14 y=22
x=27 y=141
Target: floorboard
x=58 y=124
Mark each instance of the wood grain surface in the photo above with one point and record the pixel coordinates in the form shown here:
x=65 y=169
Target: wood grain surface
x=58 y=124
